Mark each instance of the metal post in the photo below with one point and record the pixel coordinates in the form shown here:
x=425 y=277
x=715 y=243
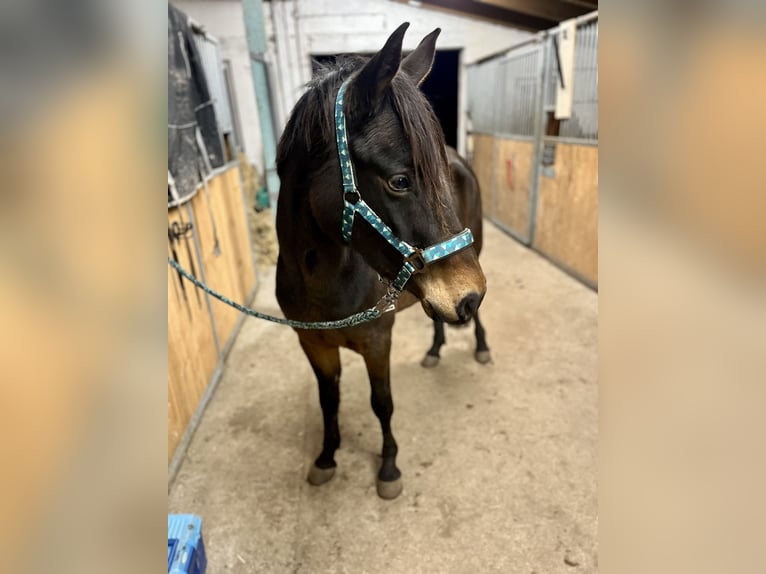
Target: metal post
x=540 y=120
x=256 y=41
x=498 y=100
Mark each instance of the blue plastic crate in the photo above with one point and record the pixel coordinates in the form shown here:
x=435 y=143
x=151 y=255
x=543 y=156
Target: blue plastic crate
x=186 y=549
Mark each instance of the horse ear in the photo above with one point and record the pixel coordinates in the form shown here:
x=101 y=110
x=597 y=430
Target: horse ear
x=377 y=74
x=417 y=64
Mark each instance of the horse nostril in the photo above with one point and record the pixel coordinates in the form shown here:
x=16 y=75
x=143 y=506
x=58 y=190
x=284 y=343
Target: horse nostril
x=468 y=306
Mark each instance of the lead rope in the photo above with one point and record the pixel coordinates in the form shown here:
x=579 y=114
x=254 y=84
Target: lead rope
x=384 y=305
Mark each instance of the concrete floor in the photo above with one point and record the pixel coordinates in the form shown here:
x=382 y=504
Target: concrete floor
x=498 y=461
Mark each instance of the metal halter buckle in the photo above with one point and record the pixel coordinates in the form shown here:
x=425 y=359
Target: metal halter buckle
x=352 y=197
x=416 y=261
x=388 y=301
x=351 y=194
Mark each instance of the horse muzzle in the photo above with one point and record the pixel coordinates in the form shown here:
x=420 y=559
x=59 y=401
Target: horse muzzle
x=452 y=291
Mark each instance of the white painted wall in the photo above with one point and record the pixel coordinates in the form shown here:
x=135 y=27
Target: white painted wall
x=301 y=28
x=224 y=20
x=296 y=29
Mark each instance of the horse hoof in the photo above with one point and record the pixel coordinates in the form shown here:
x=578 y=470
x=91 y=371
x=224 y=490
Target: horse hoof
x=389 y=489
x=318 y=476
x=483 y=357
x=429 y=361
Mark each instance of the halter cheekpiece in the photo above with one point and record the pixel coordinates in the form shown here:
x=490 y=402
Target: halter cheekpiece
x=416 y=260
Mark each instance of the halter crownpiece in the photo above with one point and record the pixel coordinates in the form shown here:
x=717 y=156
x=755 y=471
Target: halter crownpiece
x=416 y=260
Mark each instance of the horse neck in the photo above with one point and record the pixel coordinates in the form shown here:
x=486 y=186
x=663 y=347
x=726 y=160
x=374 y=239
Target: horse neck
x=299 y=231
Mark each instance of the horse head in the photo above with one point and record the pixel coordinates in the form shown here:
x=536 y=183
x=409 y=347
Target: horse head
x=398 y=153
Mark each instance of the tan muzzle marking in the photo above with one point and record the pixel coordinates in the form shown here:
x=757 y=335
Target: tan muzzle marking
x=444 y=286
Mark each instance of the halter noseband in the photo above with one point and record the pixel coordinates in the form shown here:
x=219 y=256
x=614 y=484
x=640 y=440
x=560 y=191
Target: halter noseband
x=415 y=259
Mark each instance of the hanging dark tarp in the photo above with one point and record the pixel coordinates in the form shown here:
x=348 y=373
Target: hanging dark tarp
x=194 y=144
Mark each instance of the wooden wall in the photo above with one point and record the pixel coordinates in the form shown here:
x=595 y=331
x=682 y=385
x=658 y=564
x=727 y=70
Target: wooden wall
x=566 y=218
x=484 y=168
x=502 y=167
x=567 y=211
x=220 y=227
x=513 y=162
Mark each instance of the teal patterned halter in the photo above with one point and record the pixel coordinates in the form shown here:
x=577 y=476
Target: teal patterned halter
x=415 y=259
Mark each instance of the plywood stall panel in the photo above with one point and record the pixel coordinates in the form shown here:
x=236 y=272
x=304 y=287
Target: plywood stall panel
x=483 y=161
x=237 y=222
x=567 y=211
x=192 y=354
x=220 y=227
x=512 y=190
x=223 y=237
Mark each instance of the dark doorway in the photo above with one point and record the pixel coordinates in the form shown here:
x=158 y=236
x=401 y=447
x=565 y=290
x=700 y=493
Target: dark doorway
x=441 y=88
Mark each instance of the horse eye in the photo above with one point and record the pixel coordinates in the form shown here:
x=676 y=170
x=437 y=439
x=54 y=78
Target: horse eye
x=399 y=183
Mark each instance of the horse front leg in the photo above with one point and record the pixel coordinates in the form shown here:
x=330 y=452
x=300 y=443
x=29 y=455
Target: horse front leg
x=432 y=356
x=325 y=361
x=482 y=350
x=389 y=483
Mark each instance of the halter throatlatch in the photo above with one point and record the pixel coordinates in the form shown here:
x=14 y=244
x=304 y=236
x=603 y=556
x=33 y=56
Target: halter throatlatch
x=416 y=260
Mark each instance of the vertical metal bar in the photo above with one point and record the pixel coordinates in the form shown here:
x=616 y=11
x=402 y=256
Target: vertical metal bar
x=497 y=128
x=493 y=180
x=584 y=80
x=510 y=93
x=236 y=122
x=500 y=104
x=273 y=57
x=542 y=86
x=520 y=80
x=518 y=91
x=529 y=98
x=506 y=102
x=518 y=105
x=588 y=84
x=531 y=89
x=589 y=79
x=521 y=93
x=509 y=103
x=256 y=41
x=533 y=63
x=592 y=78
x=479 y=108
x=595 y=77
x=492 y=95
x=521 y=72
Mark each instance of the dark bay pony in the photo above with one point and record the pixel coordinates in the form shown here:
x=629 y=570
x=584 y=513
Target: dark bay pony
x=400 y=162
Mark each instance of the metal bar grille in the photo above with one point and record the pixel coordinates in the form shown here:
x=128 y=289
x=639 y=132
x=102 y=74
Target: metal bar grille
x=502 y=92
